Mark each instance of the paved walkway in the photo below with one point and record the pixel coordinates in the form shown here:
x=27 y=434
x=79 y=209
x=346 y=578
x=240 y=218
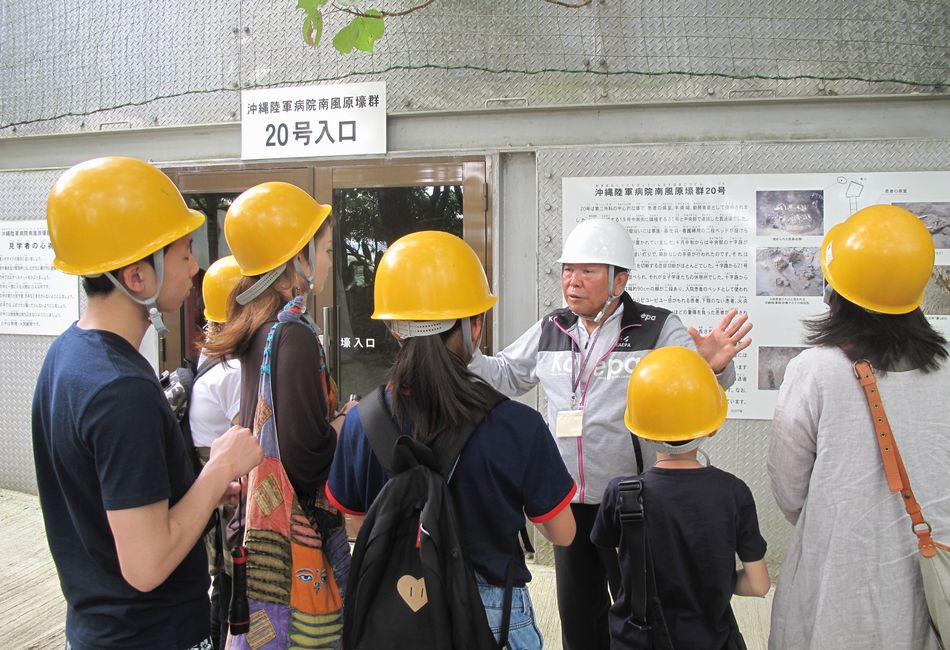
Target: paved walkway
x=33 y=611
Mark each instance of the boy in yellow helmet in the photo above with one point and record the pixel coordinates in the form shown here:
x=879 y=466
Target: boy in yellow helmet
x=680 y=525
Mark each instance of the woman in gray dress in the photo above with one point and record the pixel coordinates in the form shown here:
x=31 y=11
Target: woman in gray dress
x=850 y=577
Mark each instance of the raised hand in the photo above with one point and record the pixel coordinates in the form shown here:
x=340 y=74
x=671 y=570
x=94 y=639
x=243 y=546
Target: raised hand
x=724 y=341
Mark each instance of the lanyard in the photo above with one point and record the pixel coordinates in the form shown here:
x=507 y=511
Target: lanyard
x=578 y=373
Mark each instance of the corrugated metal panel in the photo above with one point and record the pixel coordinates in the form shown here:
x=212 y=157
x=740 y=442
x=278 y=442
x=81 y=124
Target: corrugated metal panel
x=97 y=64
x=22 y=197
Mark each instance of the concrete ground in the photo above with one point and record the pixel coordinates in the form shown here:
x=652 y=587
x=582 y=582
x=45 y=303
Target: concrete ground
x=33 y=611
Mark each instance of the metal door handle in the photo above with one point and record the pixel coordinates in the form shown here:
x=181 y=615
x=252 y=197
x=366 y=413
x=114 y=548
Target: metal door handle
x=328 y=346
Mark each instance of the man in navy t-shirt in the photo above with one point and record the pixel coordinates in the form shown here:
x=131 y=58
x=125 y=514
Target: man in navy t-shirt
x=123 y=510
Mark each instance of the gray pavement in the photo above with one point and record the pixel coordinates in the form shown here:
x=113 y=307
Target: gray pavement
x=33 y=611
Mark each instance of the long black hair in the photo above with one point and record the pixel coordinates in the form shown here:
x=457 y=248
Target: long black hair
x=887 y=341
x=433 y=390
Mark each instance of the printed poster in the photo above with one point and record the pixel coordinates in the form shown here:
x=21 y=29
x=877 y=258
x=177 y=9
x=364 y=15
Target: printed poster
x=707 y=244
x=35 y=298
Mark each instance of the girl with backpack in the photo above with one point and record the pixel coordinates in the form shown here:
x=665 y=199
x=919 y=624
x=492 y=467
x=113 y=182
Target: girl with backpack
x=431 y=290
x=294 y=542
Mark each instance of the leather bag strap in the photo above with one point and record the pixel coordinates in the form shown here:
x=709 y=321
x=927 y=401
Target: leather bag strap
x=897 y=479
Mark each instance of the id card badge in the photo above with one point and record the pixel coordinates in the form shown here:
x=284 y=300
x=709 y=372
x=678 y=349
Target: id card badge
x=570 y=424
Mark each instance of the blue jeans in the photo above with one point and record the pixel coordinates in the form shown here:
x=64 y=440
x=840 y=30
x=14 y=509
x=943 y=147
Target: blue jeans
x=523 y=633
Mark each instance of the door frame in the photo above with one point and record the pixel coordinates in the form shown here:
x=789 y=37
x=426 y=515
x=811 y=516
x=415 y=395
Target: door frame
x=320 y=178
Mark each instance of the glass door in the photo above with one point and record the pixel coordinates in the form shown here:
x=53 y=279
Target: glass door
x=374 y=203
x=373 y=207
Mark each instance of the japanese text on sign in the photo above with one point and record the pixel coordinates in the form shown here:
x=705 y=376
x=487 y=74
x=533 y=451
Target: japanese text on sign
x=707 y=244
x=35 y=298
x=331 y=120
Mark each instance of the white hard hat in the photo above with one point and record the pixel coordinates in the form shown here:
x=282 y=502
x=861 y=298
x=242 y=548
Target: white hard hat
x=599 y=241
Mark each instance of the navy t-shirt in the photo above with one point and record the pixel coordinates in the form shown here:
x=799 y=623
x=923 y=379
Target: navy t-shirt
x=510 y=467
x=698 y=520
x=104 y=439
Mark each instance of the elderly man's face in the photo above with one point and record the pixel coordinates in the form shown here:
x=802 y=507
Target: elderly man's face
x=585 y=287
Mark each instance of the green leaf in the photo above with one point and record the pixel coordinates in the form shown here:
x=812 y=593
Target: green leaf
x=374 y=26
x=313 y=29
x=345 y=39
x=310 y=6
x=369 y=29
x=318 y=28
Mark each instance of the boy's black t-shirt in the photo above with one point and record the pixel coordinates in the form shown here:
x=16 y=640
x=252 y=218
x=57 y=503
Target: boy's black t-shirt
x=105 y=439
x=698 y=520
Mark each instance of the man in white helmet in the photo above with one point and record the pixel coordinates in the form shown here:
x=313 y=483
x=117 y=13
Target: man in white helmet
x=582 y=356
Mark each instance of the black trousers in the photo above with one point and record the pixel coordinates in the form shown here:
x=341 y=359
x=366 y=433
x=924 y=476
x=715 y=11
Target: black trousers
x=584 y=572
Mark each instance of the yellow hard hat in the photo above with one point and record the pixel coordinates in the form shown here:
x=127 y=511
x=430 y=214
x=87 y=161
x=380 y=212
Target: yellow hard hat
x=106 y=213
x=673 y=396
x=216 y=287
x=428 y=276
x=270 y=223
x=879 y=258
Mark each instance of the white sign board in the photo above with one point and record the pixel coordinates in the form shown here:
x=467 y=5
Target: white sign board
x=314 y=121
x=35 y=298
x=706 y=244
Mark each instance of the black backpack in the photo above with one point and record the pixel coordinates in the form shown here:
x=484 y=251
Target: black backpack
x=411 y=583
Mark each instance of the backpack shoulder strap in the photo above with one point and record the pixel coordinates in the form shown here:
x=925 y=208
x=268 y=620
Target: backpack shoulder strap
x=382 y=433
x=630 y=509
x=379 y=427
x=645 y=608
x=203 y=368
x=447 y=456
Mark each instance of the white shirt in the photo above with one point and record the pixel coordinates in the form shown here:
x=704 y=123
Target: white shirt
x=215 y=401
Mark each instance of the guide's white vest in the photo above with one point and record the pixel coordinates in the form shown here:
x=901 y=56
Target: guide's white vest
x=551 y=350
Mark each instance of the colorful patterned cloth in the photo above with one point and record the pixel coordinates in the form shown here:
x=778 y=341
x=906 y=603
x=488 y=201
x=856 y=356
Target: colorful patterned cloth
x=298 y=557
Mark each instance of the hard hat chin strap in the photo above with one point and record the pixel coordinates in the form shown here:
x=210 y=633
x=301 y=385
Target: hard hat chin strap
x=311 y=260
x=151 y=304
x=271 y=276
x=467 y=337
x=611 y=276
x=260 y=286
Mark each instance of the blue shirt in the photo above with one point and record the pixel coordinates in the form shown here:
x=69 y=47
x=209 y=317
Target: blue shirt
x=104 y=439
x=509 y=468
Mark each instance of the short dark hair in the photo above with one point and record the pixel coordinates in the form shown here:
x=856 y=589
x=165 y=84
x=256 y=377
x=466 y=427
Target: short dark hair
x=100 y=285
x=887 y=341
